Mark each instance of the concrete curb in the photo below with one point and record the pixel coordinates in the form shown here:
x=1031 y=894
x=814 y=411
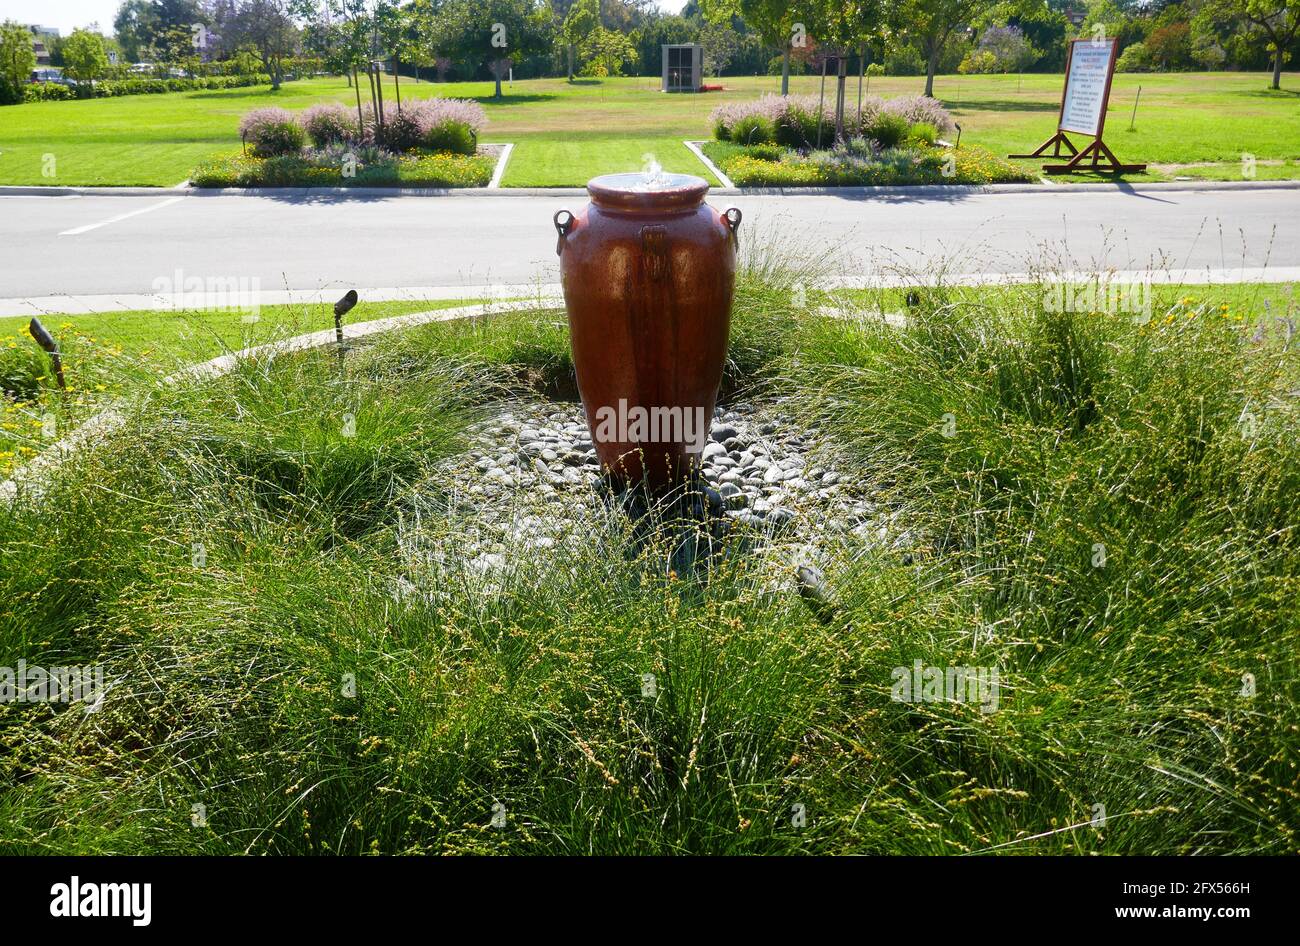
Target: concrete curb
x=94 y=303
x=111 y=418
x=540 y=292
x=911 y=190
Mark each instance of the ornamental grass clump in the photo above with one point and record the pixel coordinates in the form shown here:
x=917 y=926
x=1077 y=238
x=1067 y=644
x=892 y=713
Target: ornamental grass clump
x=329 y=123
x=428 y=125
x=272 y=132
x=922 y=108
x=807 y=122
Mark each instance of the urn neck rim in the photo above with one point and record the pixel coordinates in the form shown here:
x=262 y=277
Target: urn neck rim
x=630 y=193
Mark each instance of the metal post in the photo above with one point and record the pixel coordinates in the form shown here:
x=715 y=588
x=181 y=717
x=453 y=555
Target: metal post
x=51 y=347
x=1132 y=125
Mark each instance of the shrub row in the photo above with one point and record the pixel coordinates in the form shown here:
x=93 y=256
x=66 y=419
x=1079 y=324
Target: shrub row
x=806 y=123
x=861 y=162
x=111 y=88
x=432 y=125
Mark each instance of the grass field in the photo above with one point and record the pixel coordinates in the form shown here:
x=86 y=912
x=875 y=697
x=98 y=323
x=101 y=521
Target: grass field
x=1193 y=124
x=110 y=354
x=282 y=687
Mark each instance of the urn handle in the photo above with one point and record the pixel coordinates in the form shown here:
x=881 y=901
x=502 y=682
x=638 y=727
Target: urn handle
x=562 y=228
x=732 y=218
x=654 y=251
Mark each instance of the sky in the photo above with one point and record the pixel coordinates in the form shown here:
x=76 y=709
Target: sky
x=67 y=15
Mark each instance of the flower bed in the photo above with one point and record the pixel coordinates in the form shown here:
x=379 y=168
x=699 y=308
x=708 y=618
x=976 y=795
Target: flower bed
x=790 y=141
x=428 y=142
x=858 y=164
x=330 y=169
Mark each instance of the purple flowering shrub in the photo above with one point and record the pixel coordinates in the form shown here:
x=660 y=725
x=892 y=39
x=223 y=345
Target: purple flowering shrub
x=329 y=123
x=272 y=132
x=432 y=125
x=794 y=118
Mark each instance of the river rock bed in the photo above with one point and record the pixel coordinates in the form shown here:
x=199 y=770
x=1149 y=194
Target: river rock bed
x=530 y=479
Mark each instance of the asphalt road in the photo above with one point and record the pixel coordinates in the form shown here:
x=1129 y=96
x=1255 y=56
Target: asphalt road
x=108 y=244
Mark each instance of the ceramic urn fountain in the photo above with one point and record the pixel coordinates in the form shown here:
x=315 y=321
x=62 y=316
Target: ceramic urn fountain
x=648 y=270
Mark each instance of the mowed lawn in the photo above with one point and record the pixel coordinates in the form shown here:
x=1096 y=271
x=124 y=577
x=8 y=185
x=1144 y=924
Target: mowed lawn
x=1192 y=124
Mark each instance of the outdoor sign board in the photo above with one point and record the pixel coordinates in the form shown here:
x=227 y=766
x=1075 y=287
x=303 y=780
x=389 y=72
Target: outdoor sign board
x=1087 y=87
x=1089 y=71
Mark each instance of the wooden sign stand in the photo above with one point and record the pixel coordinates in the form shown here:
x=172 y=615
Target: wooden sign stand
x=1102 y=158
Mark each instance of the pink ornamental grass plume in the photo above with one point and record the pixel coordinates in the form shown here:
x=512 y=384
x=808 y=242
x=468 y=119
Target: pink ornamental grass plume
x=260 y=118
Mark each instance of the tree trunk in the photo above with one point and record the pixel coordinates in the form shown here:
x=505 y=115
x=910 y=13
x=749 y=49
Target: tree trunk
x=821 y=107
x=496 y=75
x=931 y=68
x=785 y=70
x=862 y=70
x=569 y=51
x=841 y=80
x=1277 y=66
x=397 y=88
x=356 y=84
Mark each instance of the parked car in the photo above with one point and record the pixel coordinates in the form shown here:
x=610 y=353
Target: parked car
x=40 y=76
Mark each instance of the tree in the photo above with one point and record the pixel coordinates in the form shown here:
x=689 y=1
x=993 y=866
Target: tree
x=1010 y=49
x=657 y=31
x=607 y=52
x=1171 y=46
x=582 y=20
x=394 y=34
x=773 y=20
x=843 y=27
x=338 y=31
x=84 y=58
x=161 y=29
x=135 y=26
x=1278 y=20
x=267 y=26
x=16 y=60
x=1115 y=19
x=496 y=33
x=934 y=22
x=720 y=44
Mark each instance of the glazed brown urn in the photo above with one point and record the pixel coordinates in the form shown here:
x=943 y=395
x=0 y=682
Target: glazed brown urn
x=648 y=270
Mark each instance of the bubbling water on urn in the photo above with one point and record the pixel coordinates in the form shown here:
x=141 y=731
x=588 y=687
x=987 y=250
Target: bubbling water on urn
x=652 y=174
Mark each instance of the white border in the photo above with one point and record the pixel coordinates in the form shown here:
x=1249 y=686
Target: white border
x=499 y=171
x=717 y=172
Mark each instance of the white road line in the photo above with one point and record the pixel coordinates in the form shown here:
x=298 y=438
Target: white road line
x=133 y=213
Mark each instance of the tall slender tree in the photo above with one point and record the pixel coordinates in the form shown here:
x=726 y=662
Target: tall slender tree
x=843 y=27
x=777 y=22
x=582 y=20
x=267 y=26
x=932 y=23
